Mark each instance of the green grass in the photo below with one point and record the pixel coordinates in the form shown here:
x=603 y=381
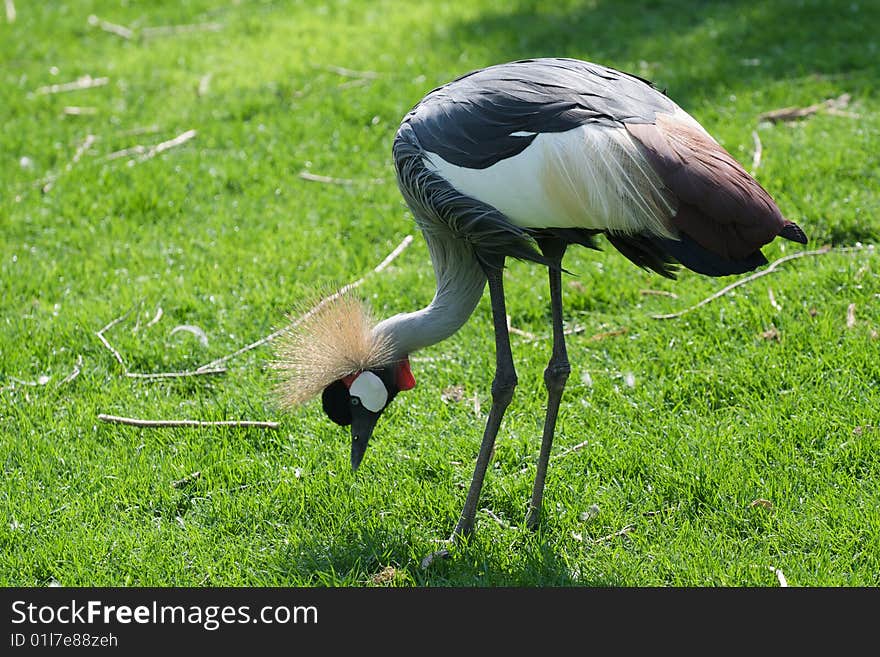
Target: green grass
x=689 y=421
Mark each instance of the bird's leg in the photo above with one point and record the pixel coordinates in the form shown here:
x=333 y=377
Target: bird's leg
x=555 y=375
x=503 y=386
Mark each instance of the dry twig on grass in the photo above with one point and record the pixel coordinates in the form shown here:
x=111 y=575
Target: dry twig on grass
x=112 y=28
x=830 y=105
x=517 y=331
x=84 y=82
x=107 y=344
x=330 y=180
x=148 y=152
x=571 y=450
x=769 y=270
x=345 y=288
x=175 y=375
x=136 y=422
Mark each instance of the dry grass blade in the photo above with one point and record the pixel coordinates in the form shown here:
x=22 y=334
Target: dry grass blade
x=851 y=315
x=759 y=149
x=658 y=293
x=187 y=480
x=156 y=317
x=608 y=334
x=516 y=331
x=204 y=83
x=574 y=331
x=779 y=576
x=620 y=532
x=75 y=373
x=571 y=450
x=82 y=148
x=500 y=521
x=149 y=375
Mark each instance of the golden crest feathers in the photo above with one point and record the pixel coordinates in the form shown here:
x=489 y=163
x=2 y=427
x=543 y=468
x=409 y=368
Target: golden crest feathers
x=331 y=341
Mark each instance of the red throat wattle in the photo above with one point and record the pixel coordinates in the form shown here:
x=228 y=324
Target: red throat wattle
x=404 y=376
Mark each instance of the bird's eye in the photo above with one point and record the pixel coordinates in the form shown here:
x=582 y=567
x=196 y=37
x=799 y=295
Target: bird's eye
x=355 y=401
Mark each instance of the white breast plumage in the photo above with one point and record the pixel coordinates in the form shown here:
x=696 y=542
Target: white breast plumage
x=592 y=176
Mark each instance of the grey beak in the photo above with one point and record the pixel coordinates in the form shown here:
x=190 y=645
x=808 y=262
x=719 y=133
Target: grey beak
x=361 y=430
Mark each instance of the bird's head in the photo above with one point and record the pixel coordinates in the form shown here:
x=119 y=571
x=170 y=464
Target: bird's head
x=333 y=350
x=360 y=398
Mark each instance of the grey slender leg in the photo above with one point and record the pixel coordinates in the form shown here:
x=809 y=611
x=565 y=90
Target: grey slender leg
x=502 y=392
x=555 y=377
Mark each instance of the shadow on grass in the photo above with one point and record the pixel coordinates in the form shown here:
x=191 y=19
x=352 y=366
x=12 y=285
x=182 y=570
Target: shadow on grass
x=695 y=48
x=777 y=53
x=359 y=557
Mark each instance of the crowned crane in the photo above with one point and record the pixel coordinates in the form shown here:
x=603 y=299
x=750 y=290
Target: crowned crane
x=521 y=160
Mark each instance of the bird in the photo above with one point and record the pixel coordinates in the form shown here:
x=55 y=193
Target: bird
x=522 y=160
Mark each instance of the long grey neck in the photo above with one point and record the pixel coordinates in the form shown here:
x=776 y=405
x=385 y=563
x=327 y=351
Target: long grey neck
x=460 y=283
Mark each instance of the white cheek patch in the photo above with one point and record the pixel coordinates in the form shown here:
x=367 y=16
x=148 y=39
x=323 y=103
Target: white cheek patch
x=370 y=390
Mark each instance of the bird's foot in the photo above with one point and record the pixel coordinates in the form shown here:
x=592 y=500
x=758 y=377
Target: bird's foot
x=434 y=556
x=460 y=531
x=533 y=518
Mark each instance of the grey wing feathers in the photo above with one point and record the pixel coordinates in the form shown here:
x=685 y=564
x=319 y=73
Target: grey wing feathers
x=493 y=114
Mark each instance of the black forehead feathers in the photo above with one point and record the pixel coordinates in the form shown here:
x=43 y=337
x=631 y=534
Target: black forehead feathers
x=337 y=403
x=336 y=399
x=388 y=377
